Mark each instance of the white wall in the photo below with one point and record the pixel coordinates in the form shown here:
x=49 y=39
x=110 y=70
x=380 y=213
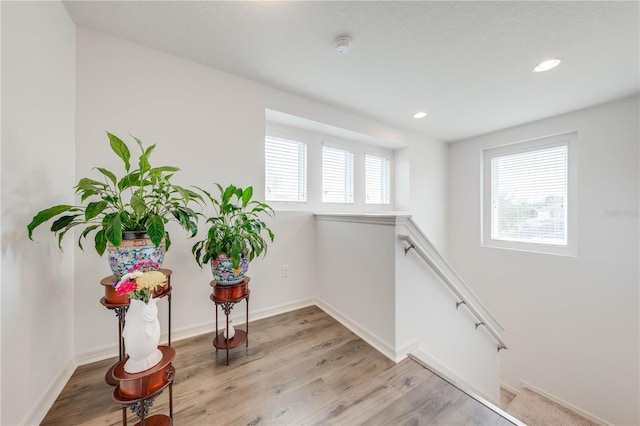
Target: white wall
x=572 y=322
x=211 y=124
x=356 y=275
x=428 y=189
x=38 y=157
x=63 y=88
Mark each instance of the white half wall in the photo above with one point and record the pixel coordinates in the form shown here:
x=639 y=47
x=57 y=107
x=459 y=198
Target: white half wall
x=356 y=275
x=397 y=303
x=572 y=322
x=38 y=158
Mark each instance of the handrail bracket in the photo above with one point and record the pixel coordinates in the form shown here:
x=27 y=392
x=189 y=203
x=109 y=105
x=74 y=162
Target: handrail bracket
x=407 y=249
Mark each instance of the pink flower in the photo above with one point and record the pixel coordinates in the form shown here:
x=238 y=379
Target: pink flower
x=144 y=266
x=126 y=287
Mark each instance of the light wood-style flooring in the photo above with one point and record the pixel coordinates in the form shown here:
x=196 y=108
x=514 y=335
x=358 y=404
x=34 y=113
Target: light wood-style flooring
x=302 y=367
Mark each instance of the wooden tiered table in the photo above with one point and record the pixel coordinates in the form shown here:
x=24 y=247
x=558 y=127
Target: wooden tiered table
x=138 y=391
x=227 y=296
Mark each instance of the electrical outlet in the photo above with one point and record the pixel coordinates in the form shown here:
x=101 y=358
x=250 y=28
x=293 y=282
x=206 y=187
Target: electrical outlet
x=284 y=271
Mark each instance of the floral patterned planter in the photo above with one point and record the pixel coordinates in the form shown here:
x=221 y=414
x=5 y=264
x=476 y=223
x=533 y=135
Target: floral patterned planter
x=224 y=273
x=133 y=251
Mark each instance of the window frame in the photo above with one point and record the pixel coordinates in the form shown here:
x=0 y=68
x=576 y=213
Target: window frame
x=568 y=139
x=388 y=161
x=305 y=182
x=351 y=151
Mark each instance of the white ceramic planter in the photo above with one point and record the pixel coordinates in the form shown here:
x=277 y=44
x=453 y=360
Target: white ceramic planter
x=142 y=336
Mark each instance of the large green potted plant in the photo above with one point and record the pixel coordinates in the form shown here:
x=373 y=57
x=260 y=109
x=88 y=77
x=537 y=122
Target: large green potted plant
x=127 y=214
x=236 y=235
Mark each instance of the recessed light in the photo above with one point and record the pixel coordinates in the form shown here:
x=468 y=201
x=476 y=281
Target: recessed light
x=420 y=114
x=547 y=65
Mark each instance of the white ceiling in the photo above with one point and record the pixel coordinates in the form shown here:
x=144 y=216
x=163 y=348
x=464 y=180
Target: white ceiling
x=468 y=64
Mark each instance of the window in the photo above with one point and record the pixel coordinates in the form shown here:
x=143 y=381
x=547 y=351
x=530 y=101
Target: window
x=285 y=170
x=337 y=175
x=528 y=197
x=377 y=180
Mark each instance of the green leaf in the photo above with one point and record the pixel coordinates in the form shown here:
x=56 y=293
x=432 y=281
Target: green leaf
x=87 y=194
x=167 y=241
x=129 y=223
x=113 y=231
x=138 y=205
x=143 y=160
x=85 y=233
x=108 y=174
x=100 y=242
x=46 y=214
x=246 y=196
x=62 y=222
x=129 y=180
x=228 y=193
x=196 y=251
x=148 y=151
x=94 y=209
x=155 y=229
x=189 y=194
x=165 y=169
x=86 y=184
x=187 y=218
x=120 y=149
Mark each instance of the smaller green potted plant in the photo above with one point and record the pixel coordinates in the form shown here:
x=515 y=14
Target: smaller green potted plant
x=127 y=214
x=236 y=234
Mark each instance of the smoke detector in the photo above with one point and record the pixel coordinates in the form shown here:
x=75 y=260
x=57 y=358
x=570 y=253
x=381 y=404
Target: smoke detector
x=342 y=44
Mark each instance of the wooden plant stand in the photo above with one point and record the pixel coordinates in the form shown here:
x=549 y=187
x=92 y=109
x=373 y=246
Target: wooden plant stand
x=227 y=296
x=138 y=391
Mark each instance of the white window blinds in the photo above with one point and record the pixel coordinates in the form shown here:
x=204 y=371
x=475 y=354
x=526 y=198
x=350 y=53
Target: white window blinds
x=285 y=170
x=377 y=180
x=337 y=175
x=529 y=196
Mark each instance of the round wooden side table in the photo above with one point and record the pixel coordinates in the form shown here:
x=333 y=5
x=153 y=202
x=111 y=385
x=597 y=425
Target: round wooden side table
x=226 y=296
x=120 y=305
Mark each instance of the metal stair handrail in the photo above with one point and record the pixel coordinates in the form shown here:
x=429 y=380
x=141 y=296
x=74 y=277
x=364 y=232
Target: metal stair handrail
x=424 y=248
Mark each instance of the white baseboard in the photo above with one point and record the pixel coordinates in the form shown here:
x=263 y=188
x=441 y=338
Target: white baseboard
x=277 y=310
x=565 y=404
x=97 y=354
x=435 y=366
x=49 y=396
x=403 y=351
x=111 y=350
x=509 y=388
x=383 y=347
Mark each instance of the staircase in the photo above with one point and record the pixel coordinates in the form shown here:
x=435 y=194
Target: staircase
x=534 y=409
x=400 y=295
